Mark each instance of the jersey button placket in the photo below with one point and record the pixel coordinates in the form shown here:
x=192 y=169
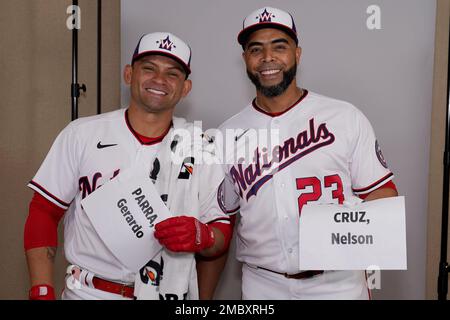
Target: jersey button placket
x=283 y=216
x=289 y=218
x=279 y=190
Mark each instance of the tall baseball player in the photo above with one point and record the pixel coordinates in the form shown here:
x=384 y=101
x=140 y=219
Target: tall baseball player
x=324 y=151
x=91 y=151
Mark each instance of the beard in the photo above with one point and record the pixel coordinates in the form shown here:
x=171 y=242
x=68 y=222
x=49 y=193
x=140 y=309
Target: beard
x=275 y=90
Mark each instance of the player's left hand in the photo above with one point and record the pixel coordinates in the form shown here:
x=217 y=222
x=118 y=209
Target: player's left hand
x=184 y=234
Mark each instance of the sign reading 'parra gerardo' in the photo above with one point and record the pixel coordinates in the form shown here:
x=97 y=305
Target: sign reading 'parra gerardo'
x=124 y=212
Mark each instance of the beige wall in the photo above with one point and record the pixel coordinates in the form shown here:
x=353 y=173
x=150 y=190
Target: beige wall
x=437 y=147
x=35 y=77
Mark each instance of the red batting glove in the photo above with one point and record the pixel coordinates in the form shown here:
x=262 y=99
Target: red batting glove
x=42 y=292
x=184 y=234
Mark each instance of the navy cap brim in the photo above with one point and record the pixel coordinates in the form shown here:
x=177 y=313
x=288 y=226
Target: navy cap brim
x=245 y=33
x=186 y=68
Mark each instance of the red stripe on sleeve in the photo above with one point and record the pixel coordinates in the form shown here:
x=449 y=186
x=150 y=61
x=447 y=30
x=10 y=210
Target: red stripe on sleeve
x=389 y=185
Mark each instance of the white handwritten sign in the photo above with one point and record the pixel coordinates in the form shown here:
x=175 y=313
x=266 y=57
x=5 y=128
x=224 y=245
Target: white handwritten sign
x=335 y=237
x=124 y=212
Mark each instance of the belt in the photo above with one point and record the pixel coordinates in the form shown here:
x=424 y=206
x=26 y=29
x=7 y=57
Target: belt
x=301 y=275
x=126 y=291
x=77 y=275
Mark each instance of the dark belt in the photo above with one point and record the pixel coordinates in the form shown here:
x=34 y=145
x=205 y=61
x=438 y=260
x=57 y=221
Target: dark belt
x=301 y=275
x=126 y=291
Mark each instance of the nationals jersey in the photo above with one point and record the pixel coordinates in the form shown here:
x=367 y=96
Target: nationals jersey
x=87 y=154
x=319 y=150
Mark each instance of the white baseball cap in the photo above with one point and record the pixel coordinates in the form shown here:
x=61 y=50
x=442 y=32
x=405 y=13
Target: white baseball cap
x=268 y=17
x=167 y=44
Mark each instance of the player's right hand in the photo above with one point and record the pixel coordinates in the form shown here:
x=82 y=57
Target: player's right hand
x=184 y=234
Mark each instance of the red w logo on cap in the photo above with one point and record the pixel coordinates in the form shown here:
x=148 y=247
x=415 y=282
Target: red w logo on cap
x=265 y=16
x=166 y=44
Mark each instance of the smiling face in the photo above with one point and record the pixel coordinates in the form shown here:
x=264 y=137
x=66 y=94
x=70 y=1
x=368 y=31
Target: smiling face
x=271 y=57
x=157 y=83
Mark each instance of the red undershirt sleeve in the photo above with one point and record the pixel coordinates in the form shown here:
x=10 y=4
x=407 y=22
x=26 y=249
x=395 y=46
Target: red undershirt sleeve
x=41 y=227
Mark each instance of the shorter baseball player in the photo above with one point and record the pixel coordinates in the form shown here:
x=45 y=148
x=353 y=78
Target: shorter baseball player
x=326 y=152
x=90 y=152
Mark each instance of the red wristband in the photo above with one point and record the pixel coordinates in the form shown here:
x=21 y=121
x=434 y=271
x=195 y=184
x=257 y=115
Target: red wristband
x=42 y=292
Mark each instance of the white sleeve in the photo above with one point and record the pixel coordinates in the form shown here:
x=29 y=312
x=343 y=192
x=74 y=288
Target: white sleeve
x=230 y=196
x=368 y=167
x=210 y=194
x=57 y=177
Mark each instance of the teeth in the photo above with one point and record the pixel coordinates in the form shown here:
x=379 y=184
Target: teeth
x=156 y=91
x=269 y=72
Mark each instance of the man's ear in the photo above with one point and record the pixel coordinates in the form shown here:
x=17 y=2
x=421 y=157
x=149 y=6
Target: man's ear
x=127 y=73
x=298 y=54
x=187 y=86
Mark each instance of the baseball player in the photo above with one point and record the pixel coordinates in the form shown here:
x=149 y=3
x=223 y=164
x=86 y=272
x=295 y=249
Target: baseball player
x=324 y=151
x=91 y=151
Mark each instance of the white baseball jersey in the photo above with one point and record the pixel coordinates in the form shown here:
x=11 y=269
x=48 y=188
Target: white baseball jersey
x=326 y=152
x=85 y=155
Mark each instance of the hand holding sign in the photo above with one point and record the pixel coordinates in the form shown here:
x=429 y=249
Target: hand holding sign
x=184 y=234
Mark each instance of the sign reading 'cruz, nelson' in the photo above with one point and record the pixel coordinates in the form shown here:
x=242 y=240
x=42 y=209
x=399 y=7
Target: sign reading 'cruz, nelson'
x=335 y=237
x=349 y=238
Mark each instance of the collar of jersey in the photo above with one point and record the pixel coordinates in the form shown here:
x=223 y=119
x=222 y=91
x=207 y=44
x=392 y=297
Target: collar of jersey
x=143 y=139
x=277 y=114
